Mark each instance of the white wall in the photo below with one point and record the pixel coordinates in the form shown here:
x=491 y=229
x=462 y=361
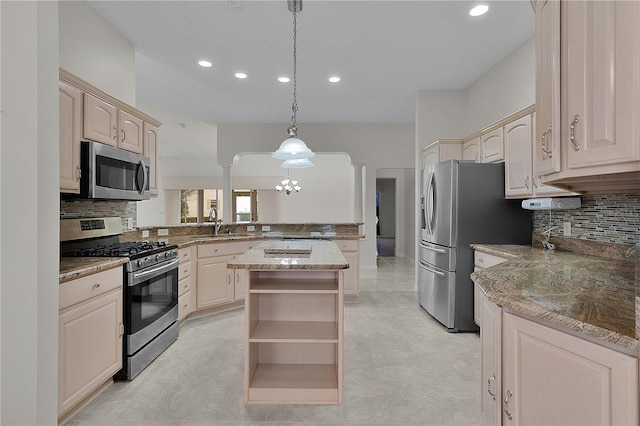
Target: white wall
x=29 y=206
x=508 y=87
x=93 y=50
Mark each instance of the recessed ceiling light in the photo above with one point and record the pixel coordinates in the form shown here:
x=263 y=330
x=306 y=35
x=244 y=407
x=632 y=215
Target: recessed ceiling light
x=334 y=79
x=283 y=79
x=241 y=75
x=480 y=9
x=205 y=64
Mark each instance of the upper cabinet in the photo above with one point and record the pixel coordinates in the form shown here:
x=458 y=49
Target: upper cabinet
x=471 y=150
x=594 y=62
x=70 y=110
x=88 y=113
x=491 y=146
x=441 y=150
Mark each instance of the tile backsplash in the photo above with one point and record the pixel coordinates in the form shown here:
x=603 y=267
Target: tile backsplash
x=70 y=209
x=606 y=218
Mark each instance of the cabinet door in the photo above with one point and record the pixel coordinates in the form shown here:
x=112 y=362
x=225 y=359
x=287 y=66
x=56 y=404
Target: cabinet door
x=239 y=283
x=471 y=150
x=214 y=286
x=351 y=275
x=430 y=157
x=491 y=354
x=547 y=37
x=100 y=120
x=517 y=141
x=602 y=119
x=492 y=147
x=131 y=132
x=70 y=98
x=90 y=347
x=150 y=150
x=554 y=378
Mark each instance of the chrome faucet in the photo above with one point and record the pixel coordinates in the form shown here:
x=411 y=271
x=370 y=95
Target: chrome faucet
x=217 y=226
x=213 y=217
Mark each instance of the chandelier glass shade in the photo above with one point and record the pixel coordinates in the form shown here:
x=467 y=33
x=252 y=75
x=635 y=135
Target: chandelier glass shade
x=287 y=185
x=297 y=163
x=293 y=148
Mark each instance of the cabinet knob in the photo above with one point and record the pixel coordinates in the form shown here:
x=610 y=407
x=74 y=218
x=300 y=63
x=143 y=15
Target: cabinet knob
x=526 y=182
x=115 y=133
x=506 y=405
x=78 y=173
x=121 y=325
x=96 y=285
x=124 y=135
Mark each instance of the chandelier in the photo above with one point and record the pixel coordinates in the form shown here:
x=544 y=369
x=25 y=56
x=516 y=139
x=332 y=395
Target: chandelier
x=293 y=148
x=288 y=186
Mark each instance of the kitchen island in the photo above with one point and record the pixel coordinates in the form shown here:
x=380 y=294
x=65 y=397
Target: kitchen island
x=294 y=322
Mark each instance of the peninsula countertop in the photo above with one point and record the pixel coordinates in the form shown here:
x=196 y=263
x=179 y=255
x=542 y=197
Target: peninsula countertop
x=590 y=296
x=324 y=255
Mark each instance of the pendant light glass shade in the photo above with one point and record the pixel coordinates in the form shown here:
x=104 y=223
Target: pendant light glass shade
x=292 y=149
x=298 y=163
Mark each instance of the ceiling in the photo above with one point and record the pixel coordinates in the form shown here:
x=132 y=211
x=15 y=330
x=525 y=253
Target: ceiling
x=384 y=51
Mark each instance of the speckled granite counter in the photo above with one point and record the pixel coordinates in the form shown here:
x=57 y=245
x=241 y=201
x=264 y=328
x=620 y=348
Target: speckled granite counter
x=325 y=255
x=592 y=296
x=77 y=267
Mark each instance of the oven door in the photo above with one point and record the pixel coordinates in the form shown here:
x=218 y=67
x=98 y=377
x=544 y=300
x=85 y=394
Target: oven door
x=151 y=303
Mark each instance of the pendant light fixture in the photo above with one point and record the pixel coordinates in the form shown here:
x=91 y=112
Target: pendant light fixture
x=288 y=186
x=293 y=148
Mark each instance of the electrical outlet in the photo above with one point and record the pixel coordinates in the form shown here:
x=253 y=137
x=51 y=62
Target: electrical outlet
x=163 y=232
x=266 y=228
x=251 y=228
x=129 y=223
x=566 y=229
x=145 y=233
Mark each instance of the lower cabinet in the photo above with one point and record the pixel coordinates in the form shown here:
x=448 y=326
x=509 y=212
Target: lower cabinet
x=90 y=333
x=553 y=378
x=215 y=284
x=185 y=283
x=350 y=252
x=491 y=360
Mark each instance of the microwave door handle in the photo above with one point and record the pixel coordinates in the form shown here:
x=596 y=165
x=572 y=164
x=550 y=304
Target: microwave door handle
x=142 y=276
x=141 y=168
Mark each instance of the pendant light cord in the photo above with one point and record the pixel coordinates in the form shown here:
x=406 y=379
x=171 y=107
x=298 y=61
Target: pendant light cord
x=293 y=129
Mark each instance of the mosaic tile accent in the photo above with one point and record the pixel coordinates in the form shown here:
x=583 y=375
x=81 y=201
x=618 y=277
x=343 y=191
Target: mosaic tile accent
x=606 y=218
x=71 y=209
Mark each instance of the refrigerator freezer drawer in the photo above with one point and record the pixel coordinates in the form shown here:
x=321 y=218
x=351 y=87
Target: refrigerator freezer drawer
x=436 y=293
x=440 y=256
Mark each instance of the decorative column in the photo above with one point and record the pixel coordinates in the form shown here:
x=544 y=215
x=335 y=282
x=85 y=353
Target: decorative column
x=226 y=194
x=358 y=216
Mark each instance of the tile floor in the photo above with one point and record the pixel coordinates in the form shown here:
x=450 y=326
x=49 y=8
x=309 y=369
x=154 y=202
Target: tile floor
x=401 y=367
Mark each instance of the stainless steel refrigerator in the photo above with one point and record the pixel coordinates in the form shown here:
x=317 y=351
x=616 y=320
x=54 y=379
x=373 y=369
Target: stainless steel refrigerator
x=462 y=203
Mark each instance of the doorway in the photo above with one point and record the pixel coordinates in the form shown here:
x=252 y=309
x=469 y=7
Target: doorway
x=386 y=217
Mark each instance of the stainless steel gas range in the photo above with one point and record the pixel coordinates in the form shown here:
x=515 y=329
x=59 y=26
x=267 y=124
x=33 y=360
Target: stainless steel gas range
x=150 y=286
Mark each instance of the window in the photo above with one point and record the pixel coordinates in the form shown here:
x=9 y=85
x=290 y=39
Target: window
x=200 y=205
x=245 y=206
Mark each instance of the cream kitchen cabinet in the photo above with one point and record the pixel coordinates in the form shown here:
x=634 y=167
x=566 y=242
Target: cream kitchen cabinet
x=70 y=128
x=519 y=151
x=217 y=285
x=599 y=118
x=551 y=377
x=351 y=276
x=491 y=361
x=492 y=146
x=100 y=120
x=90 y=333
x=441 y=150
x=150 y=149
x=471 y=150
x=130 y=135
x=185 y=283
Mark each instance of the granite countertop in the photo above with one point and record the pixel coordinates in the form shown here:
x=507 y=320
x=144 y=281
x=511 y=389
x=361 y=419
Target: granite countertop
x=77 y=267
x=325 y=255
x=591 y=296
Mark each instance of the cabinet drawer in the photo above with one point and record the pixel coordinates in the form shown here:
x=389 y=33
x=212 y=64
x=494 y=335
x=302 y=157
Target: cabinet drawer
x=485 y=260
x=184 y=270
x=184 y=254
x=185 y=305
x=224 y=249
x=76 y=291
x=347 y=245
x=184 y=285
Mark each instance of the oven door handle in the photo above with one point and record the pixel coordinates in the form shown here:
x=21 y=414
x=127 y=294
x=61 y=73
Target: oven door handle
x=152 y=273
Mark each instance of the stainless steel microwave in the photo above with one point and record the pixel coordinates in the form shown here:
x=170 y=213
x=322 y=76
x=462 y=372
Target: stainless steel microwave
x=110 y=173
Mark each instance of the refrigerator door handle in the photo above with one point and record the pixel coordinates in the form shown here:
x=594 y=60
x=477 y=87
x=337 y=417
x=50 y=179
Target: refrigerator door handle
x=430 y=203
x=433 y=271
x=437 y=250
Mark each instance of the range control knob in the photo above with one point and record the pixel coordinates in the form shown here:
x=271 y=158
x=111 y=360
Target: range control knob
x=157 y=257
x=139 y=263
